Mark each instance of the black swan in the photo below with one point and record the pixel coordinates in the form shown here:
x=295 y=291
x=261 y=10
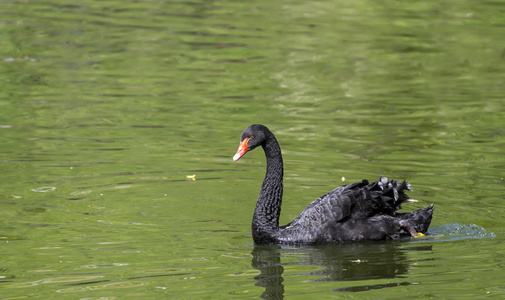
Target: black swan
x=355 y=212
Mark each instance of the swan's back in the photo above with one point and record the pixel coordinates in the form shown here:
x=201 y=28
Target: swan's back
x=358 y=211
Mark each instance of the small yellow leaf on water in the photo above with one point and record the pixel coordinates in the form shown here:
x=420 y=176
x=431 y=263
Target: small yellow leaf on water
x=192 y=177
x=419 y=234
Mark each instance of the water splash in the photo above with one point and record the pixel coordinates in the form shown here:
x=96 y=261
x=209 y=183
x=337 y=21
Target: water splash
x=456 y=232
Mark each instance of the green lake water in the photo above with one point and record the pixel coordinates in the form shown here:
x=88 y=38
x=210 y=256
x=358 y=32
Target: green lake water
x=119 y=119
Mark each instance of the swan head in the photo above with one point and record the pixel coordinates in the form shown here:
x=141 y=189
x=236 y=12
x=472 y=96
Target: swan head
x=252 y=137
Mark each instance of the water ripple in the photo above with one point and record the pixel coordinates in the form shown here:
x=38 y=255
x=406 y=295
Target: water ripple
x=455 y=232
x=44 y=189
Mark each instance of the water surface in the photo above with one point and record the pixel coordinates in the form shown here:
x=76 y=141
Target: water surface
x=119 y=119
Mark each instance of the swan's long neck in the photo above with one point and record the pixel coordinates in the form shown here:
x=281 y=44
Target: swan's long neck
x=268 y=208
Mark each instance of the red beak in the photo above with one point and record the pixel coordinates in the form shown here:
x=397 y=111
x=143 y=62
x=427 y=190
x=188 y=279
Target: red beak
x=242 y=149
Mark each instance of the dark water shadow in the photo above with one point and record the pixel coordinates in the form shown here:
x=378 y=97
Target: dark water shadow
x=342 y=263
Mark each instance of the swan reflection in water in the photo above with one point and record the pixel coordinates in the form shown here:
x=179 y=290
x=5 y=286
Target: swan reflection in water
x=343 y=262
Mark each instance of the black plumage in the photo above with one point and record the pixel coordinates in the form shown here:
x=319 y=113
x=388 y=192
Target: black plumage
x=354 y=212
